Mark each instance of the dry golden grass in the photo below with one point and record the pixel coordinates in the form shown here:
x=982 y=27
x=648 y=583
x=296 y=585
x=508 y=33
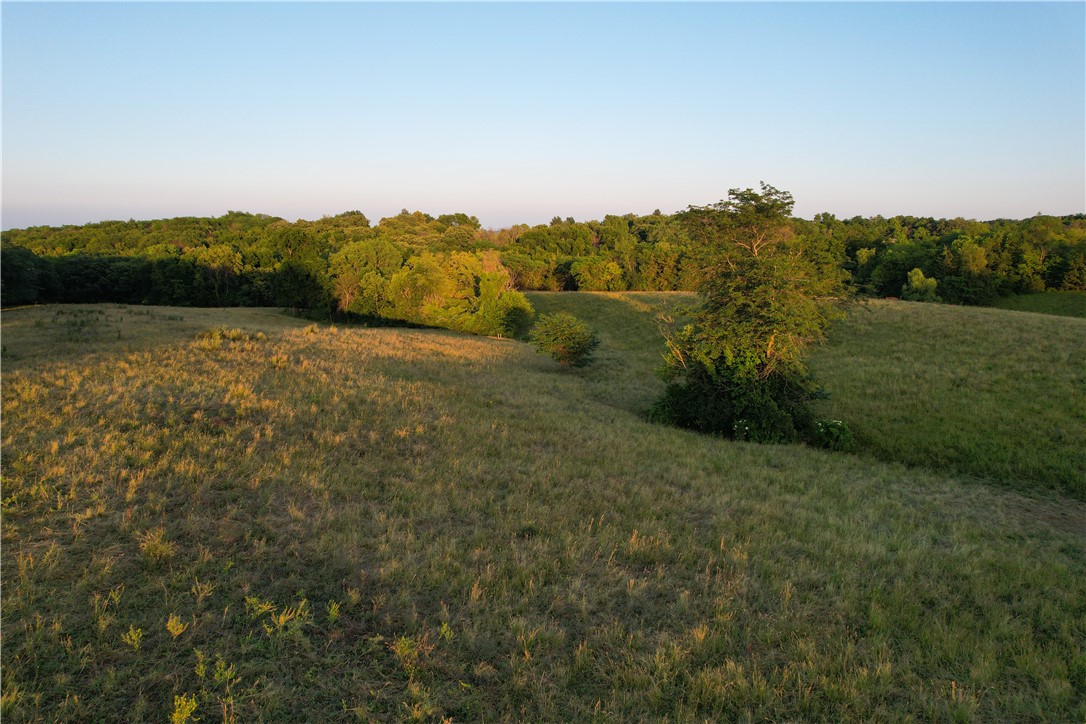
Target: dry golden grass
x=70 y=332
x=286 y=522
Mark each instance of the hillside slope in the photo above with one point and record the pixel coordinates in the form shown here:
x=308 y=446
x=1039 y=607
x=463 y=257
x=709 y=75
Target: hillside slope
x=1064 y=304
x=969 y=390
x=309 y=523
x=977 y=391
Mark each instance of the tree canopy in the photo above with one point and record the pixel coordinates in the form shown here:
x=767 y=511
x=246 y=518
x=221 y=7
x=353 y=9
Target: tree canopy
x=344 y=264
x=767 y=293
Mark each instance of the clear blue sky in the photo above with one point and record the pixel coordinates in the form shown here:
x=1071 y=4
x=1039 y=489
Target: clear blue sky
x=520 y=112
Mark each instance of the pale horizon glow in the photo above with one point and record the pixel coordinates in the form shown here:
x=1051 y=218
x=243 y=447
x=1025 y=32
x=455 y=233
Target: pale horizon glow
x=517 y=113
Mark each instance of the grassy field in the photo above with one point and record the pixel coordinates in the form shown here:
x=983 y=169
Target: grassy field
x=1065 y=304
x=230 y=515
x=966 y=390
x=970 y=390
x=631 y=348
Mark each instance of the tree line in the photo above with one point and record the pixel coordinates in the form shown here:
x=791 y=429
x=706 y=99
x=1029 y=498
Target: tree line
x=449 y=271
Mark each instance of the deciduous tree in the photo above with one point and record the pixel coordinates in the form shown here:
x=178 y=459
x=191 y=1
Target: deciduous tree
x=737 y=367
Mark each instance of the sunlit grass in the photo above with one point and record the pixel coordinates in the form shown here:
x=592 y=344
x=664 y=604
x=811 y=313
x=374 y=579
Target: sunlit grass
x=74 y=331
x=297 y=522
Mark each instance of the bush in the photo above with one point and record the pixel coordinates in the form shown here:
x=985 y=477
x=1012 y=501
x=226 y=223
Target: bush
x=566 y=338
x=766 y=410
x=920 y=288
x=507 y=315
x=833 y=435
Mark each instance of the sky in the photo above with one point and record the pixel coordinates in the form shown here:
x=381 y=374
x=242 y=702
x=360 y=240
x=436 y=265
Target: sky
x=517 y=113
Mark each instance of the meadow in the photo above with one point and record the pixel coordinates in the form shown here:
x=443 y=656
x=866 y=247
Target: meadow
x=236 y=515
x=1066 y=304
x=1000 y=396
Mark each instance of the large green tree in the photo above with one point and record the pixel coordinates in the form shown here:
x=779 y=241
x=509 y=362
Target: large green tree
x=737 y=366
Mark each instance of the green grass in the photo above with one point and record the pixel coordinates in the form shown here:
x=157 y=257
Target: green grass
x=631 y=348
x=969 y=390
x=1064 y=304
x=293 y=523
x=965 y=390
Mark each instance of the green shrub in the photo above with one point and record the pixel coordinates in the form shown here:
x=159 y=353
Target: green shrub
x=566 y=338
x=766 y=410
x=920 y=288
x=833 y=435
x=509 y=314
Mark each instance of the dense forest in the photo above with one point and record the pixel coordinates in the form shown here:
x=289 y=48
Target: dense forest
x=448 y=271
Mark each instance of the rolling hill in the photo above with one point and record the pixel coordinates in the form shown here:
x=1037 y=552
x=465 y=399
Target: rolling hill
x=233 y=514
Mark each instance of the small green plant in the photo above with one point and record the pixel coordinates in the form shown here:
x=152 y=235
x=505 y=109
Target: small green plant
x=202 y=590
x=174 y=625
x=256 y=607
x=333 y=612
x=410 y=651
x=133 y=637
x=288 y=621
x=224 y=675
x=565 y=338
x=833 y=435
